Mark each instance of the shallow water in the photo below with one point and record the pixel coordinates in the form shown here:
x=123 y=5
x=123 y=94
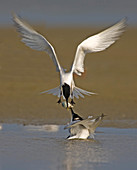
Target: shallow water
x=45 y=147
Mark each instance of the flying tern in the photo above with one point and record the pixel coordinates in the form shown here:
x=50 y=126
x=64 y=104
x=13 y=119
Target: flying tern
x=95 y=43
x=80 y=128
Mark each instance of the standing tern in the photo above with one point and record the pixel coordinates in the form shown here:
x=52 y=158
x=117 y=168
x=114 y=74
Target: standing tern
x=95 y=43
x=80 y=128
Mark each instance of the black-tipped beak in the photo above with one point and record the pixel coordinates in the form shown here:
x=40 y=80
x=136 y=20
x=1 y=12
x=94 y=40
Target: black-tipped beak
x=67 y=102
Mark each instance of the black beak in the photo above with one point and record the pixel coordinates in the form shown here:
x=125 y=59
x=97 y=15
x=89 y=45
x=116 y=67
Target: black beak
x=67 y=102
x=66 y=92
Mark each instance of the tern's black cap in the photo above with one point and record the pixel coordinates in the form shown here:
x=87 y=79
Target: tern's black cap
x=75 y=116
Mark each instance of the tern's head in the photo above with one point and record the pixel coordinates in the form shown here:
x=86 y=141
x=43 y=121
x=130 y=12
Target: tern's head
x=75 y=116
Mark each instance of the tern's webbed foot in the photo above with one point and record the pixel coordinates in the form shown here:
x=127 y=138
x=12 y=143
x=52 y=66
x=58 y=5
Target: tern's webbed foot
x=72 y=102
x=59 y=101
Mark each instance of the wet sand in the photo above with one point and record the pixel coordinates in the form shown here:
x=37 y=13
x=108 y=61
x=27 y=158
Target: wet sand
x=24 y=73
x=45 y=147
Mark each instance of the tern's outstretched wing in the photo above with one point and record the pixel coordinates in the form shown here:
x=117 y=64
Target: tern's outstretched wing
x=95 y=43
x=85 y=123
x=35 y=40
x=90 y=123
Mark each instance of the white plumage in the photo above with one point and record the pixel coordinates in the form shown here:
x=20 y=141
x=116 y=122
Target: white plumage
x=95 y=43
x=80 y=128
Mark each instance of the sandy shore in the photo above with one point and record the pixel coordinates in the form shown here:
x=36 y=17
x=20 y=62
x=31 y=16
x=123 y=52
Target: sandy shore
x=24 y=73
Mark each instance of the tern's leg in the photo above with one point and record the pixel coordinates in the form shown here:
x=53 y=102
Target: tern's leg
x=59 y=101
x=72 y=101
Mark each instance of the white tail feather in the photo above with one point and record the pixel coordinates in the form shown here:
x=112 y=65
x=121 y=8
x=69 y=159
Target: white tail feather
x=77 y=92
x=55 y=91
